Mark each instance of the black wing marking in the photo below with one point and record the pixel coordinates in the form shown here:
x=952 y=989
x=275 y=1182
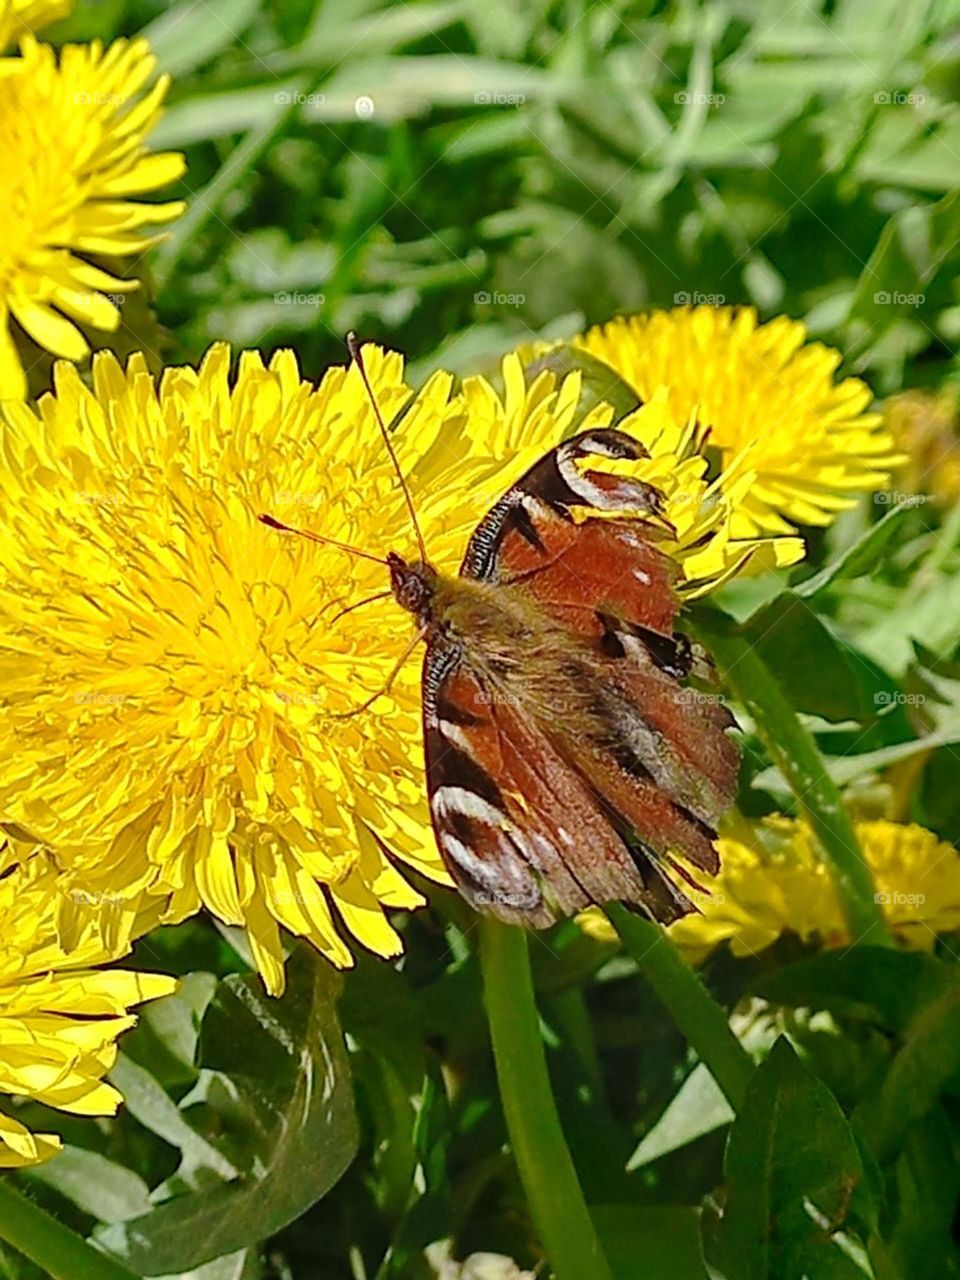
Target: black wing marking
x=557 y=482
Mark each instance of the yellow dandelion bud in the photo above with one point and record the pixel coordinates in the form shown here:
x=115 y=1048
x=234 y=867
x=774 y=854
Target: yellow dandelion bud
x=924 y=425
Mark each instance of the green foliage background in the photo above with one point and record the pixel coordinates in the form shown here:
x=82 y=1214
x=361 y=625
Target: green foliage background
x=529 y=168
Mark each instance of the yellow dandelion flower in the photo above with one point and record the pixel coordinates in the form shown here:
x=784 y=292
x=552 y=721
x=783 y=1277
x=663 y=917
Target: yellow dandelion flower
x=772 y=881
x=23 y=17
x=73 y=157
x=60 y=1012
x=177 y=668
x=176 y=664
x=703 y=513
x=924 y=425
x=764 y=393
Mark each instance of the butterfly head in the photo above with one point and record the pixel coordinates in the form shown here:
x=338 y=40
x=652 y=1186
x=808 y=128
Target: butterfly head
x=414 y=585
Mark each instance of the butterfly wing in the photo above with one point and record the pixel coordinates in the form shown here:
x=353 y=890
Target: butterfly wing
x=560 y=822
x=523 y=836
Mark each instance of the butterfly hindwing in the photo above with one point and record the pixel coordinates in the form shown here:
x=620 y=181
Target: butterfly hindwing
x=523 y=836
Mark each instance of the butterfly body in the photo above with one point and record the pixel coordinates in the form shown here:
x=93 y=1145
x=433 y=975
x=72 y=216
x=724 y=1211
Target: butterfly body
x=566 y=763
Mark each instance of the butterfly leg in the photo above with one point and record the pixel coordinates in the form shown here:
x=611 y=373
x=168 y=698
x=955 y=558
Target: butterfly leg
x=365 y=706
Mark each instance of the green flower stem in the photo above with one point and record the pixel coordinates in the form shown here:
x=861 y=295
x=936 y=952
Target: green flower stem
x=698 y=1016
x=57 y=1250
x=795 y=753
x=543 y=1158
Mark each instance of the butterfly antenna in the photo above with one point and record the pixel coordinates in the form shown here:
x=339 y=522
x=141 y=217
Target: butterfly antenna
x=353 y=346
x=318 y=537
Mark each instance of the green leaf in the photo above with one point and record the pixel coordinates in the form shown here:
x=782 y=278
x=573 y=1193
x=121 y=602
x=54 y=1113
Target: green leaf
x=223 y=114
x=244 y=1265
x=147 y=1101
x=859 y=558
x=698 y=1107
x=291 y=1108
x=873 y=983
x=98 y=1186
x=846 y=769
x=189 y=34
x=793 y=1167
x=793 y=749
x=166 y=1037
x=919 y=1240
x=600 y=382
x=816 y=673
x=929 y=1057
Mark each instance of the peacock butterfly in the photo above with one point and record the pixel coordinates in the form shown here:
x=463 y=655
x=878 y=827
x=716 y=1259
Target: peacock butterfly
x=566 y=761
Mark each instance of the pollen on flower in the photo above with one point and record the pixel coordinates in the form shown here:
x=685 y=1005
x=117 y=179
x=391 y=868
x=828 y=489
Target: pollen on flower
x=188 y=654
x=701 y=513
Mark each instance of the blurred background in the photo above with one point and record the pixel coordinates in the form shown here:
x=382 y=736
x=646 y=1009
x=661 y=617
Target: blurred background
x=451 y=177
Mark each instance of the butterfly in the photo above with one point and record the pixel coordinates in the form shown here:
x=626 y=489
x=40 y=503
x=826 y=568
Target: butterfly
x=566 y=761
